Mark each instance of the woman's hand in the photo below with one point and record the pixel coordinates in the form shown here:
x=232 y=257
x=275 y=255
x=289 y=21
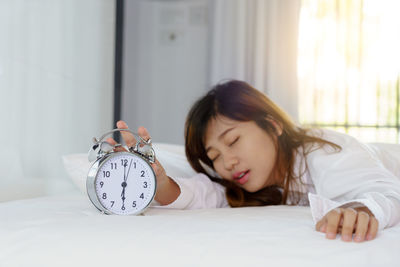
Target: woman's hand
x=347 y=221
x=167 y=190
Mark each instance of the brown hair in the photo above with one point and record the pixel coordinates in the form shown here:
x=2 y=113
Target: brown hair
x=239 y=101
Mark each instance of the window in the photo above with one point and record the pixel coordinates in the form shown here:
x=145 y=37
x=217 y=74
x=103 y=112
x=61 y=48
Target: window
x=349 y=67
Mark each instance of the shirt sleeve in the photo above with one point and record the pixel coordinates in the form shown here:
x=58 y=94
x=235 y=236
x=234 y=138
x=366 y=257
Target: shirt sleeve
x=198 y=192
x=353 y=177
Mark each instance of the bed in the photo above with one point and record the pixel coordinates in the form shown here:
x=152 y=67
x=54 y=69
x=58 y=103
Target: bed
x=66 y=230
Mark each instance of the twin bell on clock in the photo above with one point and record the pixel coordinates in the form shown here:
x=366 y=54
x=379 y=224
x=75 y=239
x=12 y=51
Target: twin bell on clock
x=121 y=182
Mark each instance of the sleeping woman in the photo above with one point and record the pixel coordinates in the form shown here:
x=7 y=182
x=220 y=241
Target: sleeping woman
x=248 y=152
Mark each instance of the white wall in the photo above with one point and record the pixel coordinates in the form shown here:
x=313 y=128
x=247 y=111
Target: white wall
x=165 y=64
x=56 y=84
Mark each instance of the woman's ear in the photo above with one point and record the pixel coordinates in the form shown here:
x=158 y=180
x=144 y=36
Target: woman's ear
x=277 y=125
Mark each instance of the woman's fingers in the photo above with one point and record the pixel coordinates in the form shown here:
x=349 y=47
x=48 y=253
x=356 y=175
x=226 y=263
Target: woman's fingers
x=349 y=220
x=321 y=225
x=127 y=136
x=362 y=226
x=333 y=220
x=373 y=228
x=113 y=142
x=143 y=133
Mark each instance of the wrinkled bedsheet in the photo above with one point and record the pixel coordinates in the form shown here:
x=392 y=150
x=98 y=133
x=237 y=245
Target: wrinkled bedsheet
x=68 y=231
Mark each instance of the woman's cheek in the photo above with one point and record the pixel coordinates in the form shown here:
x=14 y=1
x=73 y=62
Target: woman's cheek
x=220 y=171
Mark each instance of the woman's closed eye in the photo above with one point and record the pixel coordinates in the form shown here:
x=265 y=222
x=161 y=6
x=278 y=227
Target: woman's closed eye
x=234 y=141
x=214 y=158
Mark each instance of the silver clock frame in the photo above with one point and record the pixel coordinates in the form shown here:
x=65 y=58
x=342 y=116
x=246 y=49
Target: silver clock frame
x=102 y=158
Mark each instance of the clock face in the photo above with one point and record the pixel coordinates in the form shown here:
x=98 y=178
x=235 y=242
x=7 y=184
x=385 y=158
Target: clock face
x=125 y=183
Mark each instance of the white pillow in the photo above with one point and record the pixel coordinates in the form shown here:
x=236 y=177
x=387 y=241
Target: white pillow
x=22 y=189
x=172 y=158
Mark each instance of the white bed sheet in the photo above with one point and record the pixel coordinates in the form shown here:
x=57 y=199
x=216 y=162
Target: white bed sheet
x=68 y=231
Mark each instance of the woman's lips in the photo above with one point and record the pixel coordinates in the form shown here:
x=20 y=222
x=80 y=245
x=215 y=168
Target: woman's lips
x=244 y=178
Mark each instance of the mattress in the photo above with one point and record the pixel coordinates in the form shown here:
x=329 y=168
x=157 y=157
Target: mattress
x=66 y=230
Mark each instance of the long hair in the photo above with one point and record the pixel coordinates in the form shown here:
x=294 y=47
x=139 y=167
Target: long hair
x=239 y=101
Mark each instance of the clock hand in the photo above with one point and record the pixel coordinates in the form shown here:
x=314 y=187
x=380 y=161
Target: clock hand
x=125 y=164
x=128 y=171
x=123 y=194
x=124 y=186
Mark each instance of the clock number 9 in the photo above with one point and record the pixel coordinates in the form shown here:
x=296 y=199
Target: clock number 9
x=101 y=184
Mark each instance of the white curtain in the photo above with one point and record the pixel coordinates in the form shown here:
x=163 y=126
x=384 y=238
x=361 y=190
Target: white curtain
x=56 y=84
x=256 y=41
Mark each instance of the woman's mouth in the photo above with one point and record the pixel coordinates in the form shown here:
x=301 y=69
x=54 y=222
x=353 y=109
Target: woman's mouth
x=242 y=177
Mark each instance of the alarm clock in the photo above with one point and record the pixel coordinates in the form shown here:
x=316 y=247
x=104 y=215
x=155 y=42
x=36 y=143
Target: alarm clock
x=121 y=183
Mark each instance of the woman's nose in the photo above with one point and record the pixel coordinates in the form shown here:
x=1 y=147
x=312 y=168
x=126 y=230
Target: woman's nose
x=230 y=161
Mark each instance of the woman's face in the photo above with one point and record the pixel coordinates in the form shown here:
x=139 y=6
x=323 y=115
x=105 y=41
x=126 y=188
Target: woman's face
x=242 y=152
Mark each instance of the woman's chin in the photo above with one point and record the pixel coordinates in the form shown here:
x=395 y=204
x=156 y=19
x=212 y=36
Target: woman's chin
x=251 y=188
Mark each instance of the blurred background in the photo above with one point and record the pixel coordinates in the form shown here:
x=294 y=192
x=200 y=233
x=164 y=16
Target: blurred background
x=69 y=69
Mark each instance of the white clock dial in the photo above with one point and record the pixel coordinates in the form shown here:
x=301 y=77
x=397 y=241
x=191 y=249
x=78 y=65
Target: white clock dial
x=125 y=184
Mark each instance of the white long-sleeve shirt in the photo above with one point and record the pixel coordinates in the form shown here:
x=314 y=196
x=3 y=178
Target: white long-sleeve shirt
x=359 y=174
